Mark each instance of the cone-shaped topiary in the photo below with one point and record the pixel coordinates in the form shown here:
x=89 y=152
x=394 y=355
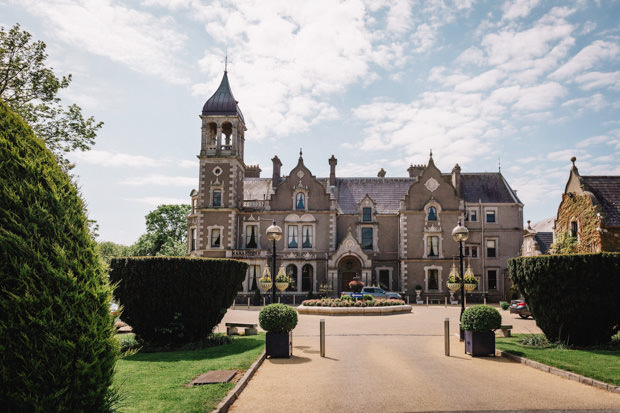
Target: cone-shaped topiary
x=277 y=318
x=57 y=344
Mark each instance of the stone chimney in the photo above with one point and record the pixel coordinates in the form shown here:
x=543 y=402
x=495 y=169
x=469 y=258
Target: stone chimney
x=381 y=173
x=415 y=171
x=332 y=170
x=456 y=179
x=275 y=179
x=252 y=171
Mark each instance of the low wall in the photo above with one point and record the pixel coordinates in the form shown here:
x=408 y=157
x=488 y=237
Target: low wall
x=316 y=310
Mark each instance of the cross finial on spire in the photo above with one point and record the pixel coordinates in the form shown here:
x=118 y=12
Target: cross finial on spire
x=431 y=153
x=499 y=164
x=226 y=62
x=300 y=152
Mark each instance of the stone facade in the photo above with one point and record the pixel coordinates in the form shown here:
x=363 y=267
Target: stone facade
x=590 y=212
x=390 y=231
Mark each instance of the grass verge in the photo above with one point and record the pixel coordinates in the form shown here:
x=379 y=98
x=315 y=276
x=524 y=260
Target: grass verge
x=599 y=363
x=155 y=382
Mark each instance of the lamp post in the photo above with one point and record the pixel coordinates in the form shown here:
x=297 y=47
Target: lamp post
x=460 y=234
x=274 y=233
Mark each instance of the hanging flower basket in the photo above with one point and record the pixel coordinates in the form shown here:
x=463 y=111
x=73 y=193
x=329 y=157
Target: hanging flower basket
x=454 y=286
x=470 y=286
x=281 y=285
x=265 y=283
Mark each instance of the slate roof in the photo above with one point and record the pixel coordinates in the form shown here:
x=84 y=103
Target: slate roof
x=385 y=192
x=487 y=188
x=222 y=102
x=544 y=240
x=606 y=189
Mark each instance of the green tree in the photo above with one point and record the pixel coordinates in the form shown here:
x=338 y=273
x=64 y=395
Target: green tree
x=166 y=232
x=30 y=88
x=108 y=250
x=57 y=338
x=564 y=244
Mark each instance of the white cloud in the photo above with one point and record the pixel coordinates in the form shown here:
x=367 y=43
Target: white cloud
x=109 y=159
x=160 y=180
x=155 y=201
x=594 y=140
x=587 y=58
x=139 y=40
x=592 y=80
x=595 y=102
x=518 y=9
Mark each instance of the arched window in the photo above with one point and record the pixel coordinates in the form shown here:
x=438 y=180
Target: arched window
x=432 y=213
x=307 y=277
x=300 y=201
x=291 y=271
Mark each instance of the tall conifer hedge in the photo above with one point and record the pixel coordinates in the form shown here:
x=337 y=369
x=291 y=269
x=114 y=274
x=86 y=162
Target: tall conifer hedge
x=575 y=298
x=57 y=344
x=175 y=300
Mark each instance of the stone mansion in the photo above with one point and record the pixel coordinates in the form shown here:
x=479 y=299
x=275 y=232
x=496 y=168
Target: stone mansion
x=394 y=232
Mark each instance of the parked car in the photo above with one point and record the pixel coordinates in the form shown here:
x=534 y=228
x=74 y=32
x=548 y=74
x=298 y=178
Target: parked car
x=520 y=307
x=377 y=293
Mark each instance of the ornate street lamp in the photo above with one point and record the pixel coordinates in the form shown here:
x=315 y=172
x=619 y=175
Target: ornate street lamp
x=460 y=234
x=274 y=233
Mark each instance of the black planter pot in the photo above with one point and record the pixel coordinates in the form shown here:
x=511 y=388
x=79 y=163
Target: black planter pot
x=279 y=345
x=480 y=344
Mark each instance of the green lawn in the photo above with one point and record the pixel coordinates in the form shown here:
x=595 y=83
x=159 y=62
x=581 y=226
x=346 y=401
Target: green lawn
x=600 y=363
x=155 y=382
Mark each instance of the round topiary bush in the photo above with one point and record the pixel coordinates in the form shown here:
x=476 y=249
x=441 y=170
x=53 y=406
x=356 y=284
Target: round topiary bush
x=57 y=343
x=504 y=305
x=277 y=318
x=481 y=318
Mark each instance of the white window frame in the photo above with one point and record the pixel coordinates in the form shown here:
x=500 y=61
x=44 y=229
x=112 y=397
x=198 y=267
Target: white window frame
x=390 y=270
x=288 y=228
x=375 y=238
x=193 y=239
x=467 y=251
x=301 y=244
x=490 y=209
x=294 y=220
x=306 y=199
x=476 y=212
x=212 y=190
x=440 y=245
x=496 y=269
x=439 y=278
x=244 y=241
x=438 y=210
x=486 y=249
x=371 y=214
x=209 y=233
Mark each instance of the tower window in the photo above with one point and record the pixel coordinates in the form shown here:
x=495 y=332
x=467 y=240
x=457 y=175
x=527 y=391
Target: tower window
x=574 y=229
x=215 y=238
x=366 y=214
x=300 y=201
x=193 y=239
x=432 y=214
x=217 y=197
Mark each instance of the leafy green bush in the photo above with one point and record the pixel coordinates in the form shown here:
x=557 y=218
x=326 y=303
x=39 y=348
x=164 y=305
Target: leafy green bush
x=277 y=318
x=175 y=300
x=367 y=297
x=57 y=343
x=481 y=318
x=573 y=297
x=504 y=305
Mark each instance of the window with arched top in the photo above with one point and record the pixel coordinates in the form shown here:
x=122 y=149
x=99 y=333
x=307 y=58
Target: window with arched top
x=300 y=201
x=432 y=213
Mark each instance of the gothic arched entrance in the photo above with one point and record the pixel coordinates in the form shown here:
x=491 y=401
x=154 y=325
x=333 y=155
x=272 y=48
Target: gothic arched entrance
x=348 y=267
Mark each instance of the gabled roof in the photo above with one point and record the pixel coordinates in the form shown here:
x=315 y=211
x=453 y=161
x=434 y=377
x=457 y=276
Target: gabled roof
x=385 y=192
x=606 y=189
x=487 y=188
x=222 y=102
x=544 y=240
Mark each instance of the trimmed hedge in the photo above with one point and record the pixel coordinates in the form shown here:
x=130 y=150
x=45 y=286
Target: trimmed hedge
x=574 y=298
x=57 y=338
x=481 y=319
x=277 y=318
x=175 y=300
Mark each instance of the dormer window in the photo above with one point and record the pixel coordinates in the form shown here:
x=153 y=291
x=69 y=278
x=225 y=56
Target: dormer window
x=432 y=213
x=366 y=214
x=300 y=201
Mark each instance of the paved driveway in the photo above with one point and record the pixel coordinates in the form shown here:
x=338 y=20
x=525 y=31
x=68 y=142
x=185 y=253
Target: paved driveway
x=397 y=363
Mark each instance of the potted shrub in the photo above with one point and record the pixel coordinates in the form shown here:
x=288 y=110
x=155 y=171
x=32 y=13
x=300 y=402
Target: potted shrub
x=282 y=282
x=479 y=323
x=454 y=283
x=265 y=283
x=470 y=282
x=278 y=320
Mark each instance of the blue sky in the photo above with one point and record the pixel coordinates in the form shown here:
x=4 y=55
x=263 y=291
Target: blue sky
x=376 y=83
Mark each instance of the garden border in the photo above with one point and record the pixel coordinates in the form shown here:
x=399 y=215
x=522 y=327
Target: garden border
x=559 y=372
x=370 y=311
x=236 y=391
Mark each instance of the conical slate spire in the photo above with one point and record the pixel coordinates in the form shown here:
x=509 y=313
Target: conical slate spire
x=222 y=102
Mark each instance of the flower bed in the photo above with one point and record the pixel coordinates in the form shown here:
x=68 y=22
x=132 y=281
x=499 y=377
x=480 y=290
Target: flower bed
x=347 y=302
x=348 y=306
